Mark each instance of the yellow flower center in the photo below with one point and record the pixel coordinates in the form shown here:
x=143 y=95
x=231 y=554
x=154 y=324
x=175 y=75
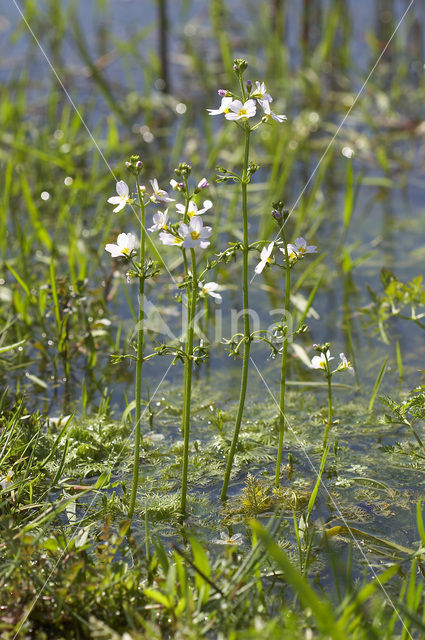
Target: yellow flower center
x=268 y=259
x=242 y=112
x=226 y=110
x=177 y=241
x=125 y=251
x=194 y=235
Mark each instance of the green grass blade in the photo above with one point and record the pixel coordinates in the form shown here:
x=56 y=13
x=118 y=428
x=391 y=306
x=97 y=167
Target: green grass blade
x=377 y=383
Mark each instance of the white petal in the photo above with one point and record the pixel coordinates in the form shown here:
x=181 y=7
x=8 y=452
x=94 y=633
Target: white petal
x=235 y=105
x=122 y=189
x=205 y=233
x=260 y=266
x=211 y=286
x=183 y=229
x=196 y=224
x=120 y=206
x=270 y=249
x=114 y=199
x=113 y=249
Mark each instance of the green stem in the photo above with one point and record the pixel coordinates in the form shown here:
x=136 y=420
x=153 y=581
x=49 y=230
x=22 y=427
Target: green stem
x=284 y=361
x=247 y=334
x=328 y=426
x=188 y=379
x=139 y=360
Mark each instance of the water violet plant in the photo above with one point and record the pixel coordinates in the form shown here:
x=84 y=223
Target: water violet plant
x=292 y=253
x=140 y=269
x=191 y=236
x=322 y=361
x=240 y=108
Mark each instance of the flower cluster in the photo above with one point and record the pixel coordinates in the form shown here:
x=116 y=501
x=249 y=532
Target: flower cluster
x=322 y=361
x=244 y=107
x=187 y=236
x=190 y=233
x=296 y=252
x=126 y=242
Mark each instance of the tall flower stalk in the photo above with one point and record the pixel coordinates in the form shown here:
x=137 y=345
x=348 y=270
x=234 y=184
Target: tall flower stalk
x=141 y=269
x=282 y=388
x=191 y=290
x=292 y=254
x=240 y=109
x=188 y=235
x=188 y=366
x=246 y=324
x=139 y=358
x=323 y=361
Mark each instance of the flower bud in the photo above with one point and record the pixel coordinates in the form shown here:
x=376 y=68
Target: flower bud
x=183 y=169
x=222 y=93
x=177 y=186
x=240 y=65
x=276 y=214
x=134 y=165
x=203 y=184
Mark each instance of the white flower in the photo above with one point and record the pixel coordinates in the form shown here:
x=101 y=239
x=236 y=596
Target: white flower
x=210 y=289
x=302 y=248
x=122 y=198
x=124 y=247
x=235 y=540
x=169 y=239
x=239 y=110
x=291 y=252
x=320 y=362
x=195 y=234
x=224 y=107
x=6 y=481
x=268 y=113
x=192 y=209
x=159 y=195
x=345 y=364
x=261 y=94
x=160 y=220
x=264 y=257
x=298 y=249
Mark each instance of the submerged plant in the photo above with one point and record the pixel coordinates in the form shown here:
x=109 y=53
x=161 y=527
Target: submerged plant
x=240 y=108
